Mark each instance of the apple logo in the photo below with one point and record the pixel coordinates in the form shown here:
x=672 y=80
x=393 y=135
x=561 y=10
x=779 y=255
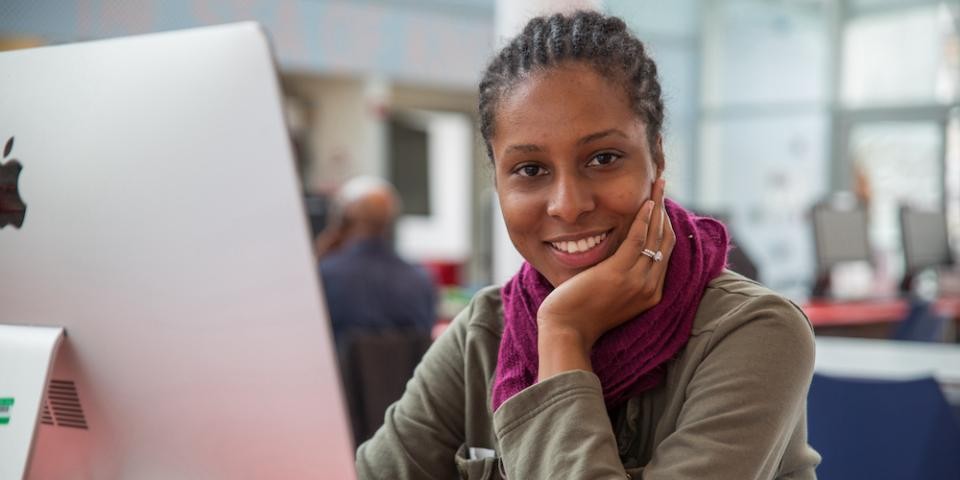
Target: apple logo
x=12 y=208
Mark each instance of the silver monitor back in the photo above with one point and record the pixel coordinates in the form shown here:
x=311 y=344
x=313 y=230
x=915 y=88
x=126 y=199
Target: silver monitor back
x=165 y=230
x=841 y=235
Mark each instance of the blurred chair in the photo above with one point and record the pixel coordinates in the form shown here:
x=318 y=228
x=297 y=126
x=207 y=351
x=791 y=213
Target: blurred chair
x=922 y=324
x=897 y=430
x=375 y=368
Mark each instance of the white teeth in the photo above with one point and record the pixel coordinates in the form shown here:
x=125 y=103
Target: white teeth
x=581 y=245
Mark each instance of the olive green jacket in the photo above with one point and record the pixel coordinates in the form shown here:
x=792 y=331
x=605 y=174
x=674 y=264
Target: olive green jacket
x=732 y=406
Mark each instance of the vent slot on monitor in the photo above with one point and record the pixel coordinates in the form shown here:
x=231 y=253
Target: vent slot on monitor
x=46 y=417
x=62 y=406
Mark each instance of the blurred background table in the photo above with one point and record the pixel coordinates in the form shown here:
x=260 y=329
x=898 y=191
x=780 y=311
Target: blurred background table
x=891 y=360
x=871 y=318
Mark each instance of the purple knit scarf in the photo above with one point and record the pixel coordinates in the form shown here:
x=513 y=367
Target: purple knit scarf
x=628 y=359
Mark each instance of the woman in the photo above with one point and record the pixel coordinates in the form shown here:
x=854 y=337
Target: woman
x=622 y=347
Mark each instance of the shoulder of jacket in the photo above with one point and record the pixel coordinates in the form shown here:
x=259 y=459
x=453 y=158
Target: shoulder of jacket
x=731 y=300
x=484 y=312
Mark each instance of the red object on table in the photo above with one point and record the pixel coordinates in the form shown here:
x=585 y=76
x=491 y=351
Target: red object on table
x=830 y=313
x=840 y=313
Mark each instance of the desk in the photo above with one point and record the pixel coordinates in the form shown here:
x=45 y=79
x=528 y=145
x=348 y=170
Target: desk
x=868 y=318
x=892 y=360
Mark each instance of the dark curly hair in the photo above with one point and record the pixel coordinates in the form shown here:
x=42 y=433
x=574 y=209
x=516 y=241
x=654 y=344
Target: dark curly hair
x=603 y=42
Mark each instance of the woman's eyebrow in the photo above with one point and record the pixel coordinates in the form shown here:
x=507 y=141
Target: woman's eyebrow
x=597 y=136
x=531 y=148
x=524 y=148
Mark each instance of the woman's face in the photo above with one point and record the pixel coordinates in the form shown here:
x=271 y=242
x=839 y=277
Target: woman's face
x=573 y=166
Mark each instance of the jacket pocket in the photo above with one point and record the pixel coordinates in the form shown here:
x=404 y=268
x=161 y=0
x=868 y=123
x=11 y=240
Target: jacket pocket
x=477 y=469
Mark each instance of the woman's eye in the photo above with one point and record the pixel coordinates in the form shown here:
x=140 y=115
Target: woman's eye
x=602 y=159
x=531 y=170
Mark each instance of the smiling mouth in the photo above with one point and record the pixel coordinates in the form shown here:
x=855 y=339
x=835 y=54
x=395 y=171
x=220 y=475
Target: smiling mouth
x=580 y=245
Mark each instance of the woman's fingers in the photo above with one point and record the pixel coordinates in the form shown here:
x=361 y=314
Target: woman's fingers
x=669 y=240
x=646 y=232
x=652 y=273
x=655 y=234
x=637 y=236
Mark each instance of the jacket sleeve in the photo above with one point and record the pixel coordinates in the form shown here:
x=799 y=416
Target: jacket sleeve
x=744 y=400
x=558 y=428
x=422 y=431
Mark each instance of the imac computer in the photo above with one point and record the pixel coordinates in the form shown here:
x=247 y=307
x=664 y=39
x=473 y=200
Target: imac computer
x=926 y=243
x=152 y=217
x=840 y=233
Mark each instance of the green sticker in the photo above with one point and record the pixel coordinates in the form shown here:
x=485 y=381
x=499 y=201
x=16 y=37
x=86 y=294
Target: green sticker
x=5 y=404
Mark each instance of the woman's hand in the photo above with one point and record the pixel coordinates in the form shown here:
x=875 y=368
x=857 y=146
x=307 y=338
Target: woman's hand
x=583 y=308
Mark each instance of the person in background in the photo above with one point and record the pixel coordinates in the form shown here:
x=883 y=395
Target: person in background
x=622 y=348
x=369 y=289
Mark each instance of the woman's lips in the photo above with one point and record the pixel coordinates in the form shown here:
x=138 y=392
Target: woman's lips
x=581 y=252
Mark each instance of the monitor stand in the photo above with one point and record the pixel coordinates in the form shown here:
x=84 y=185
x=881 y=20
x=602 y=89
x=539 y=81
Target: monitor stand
x=26 y=359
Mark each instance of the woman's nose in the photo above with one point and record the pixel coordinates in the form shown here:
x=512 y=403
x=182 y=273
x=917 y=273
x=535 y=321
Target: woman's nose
x=570 y=198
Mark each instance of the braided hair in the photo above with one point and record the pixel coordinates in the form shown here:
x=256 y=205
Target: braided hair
x=603 y=42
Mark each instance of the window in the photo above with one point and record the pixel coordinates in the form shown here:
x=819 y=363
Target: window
x=903 y=55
